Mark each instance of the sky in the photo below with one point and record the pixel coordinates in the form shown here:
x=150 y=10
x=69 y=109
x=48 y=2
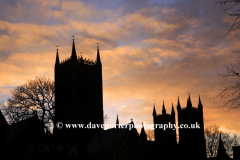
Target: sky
x=151 y=50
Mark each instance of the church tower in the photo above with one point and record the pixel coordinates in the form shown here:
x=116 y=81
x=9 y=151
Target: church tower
x=191 y=139
x=78 y=97
x=167 y=136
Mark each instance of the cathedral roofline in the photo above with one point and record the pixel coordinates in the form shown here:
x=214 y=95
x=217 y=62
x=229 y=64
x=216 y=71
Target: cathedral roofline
x=78 y=59
x=186 y=108
x=167 y=114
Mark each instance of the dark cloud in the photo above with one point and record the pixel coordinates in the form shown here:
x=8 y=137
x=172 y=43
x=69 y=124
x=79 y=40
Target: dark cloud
x=4 y=32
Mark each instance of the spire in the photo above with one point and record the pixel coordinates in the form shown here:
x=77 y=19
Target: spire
x=117 y=122
x=117 y=134
x=57 y=59
x=154 y=111
x=98 y=56
x=143 y=134
x=74 y=55
x=131 y=124
x=131 y=121
x=189 y=103
x=178 y=104
x=200 y=103
x=163 y=109
x=173 y=112
x=142 y=130
x=221 y=150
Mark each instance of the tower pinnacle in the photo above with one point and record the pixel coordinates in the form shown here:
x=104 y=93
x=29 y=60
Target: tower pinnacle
x=154 y=110
x=189 y=103
x=98 y=55
x=163 y=109
x=57 y=59
x=178 y=104
x=74 y=55
x=200 y=103
x=117 y=122
x=173 y=112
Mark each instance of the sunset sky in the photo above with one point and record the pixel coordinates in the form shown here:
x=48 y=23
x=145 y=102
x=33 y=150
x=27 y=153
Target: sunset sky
x=151 y=50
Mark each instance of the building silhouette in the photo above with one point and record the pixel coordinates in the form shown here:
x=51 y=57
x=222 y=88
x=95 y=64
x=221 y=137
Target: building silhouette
x=3 y=133
x=79 y=100
x=236 y=152
x=78 y=97
x=167 y=136
x=191 y=139
x=120 y=143
x=143 y=135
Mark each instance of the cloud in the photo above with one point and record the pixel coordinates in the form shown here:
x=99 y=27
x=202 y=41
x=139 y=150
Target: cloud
x=150 y=50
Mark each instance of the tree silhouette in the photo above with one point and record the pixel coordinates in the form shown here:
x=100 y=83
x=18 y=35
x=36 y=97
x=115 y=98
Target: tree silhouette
x=212 y=134
x=231 y=92
x=150 y=135
x=231 y=8
x=32 y=99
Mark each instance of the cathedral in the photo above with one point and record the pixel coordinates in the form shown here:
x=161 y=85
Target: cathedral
x=79 y=99
x=191 y=140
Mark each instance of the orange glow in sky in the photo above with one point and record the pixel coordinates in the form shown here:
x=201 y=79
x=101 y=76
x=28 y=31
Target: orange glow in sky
x=150 y=51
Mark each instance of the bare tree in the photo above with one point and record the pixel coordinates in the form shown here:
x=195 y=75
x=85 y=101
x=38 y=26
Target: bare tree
x=231 y=92
x=212 y=134
x=231 y=8
x=150 y=135
x=34 y=98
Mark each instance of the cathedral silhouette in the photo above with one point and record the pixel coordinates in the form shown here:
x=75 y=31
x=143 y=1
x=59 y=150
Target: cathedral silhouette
x=79 y=100
x=78 y=97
